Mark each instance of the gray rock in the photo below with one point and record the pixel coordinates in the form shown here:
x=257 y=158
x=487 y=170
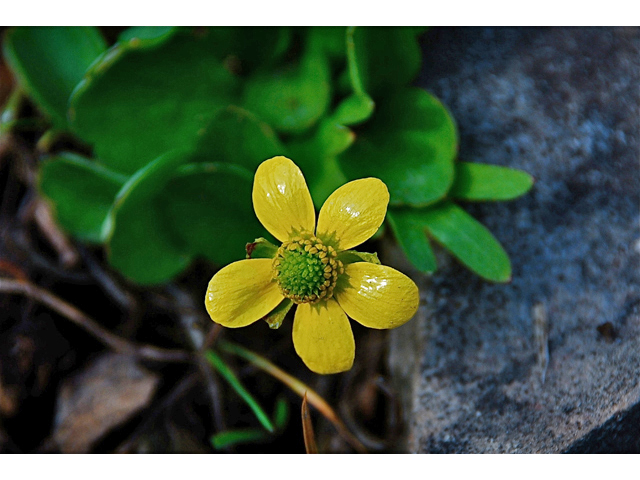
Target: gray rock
x=562 y=104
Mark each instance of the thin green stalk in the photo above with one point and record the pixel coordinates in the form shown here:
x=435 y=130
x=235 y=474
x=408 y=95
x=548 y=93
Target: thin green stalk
x=297 y=386
x=229 y=438
x=48 y=138
x=356 y=81
x=12 y=107
x=235 y=383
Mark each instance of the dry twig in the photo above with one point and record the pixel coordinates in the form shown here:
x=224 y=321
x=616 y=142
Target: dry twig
x=107 y=282
x=71 y=313
x=307 y=428
x=191 y=322
x=67 y=254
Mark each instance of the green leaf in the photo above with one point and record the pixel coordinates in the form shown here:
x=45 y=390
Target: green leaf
x=410 y=232
x=81 y=191
x=479 y=181
x=246 y=49
x=50 y=61
x=208 y=209
x=316 y=156
x=277 y=315
x=332 y=138
x=354 y=109
x=235 y=383
x=237 y=136
x=382 y=59
x=343 y=85
x=229 y=438
x=468 y=240
x=379 y=233
x=136 y=103
x=321 y=169
x=294 y=97
x=327 y=179
x=139 y=243
x=410 y=144
x=330 y=40
x=138 y=34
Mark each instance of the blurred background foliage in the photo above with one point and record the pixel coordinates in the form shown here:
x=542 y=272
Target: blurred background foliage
x=178 y=119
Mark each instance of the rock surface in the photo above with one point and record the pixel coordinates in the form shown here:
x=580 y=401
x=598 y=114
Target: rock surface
x=562 y=104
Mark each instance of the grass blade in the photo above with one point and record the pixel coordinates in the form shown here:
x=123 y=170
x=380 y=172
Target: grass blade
x=281 y=414
x=234 y=382
x=298 y=387
x=230 y=438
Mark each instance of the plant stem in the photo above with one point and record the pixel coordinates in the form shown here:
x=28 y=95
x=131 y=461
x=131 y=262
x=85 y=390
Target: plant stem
x=297 y=386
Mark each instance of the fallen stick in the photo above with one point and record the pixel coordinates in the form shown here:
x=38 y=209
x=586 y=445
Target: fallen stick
x=79 y=318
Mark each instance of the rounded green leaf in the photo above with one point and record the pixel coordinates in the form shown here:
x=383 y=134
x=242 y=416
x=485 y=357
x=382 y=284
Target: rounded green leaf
x=410 y=143
x=467 y=239
x=208 y=208
x=81 y=192
x=354 y=109
x=410 y=232
x=332 y=138
x=328 y=178
x=479 y=181
x=50 y=61
x=248 y=48
x=316 y=156
x=382 y=59
x=139 y=243
x=237 y=136
x=137 y=34
x=294 y=97
x=330 y=40
x=142 y=99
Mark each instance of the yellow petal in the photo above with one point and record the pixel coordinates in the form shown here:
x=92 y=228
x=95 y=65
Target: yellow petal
x=323 y=338
x=377 y=296
x=353 y=213
x=242 y=293
x=281 y=199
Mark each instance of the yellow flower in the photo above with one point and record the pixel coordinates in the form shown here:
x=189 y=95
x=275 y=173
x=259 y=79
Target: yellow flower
x=315 y=271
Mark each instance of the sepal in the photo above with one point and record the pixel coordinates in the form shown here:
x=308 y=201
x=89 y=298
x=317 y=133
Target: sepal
x=352 y=256
x=261 y=248
x=276 y=317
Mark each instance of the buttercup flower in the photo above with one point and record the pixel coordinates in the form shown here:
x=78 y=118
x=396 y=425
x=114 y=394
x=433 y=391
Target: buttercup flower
x=314 y=268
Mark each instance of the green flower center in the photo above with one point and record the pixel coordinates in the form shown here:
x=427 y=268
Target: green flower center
x=306 y=270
